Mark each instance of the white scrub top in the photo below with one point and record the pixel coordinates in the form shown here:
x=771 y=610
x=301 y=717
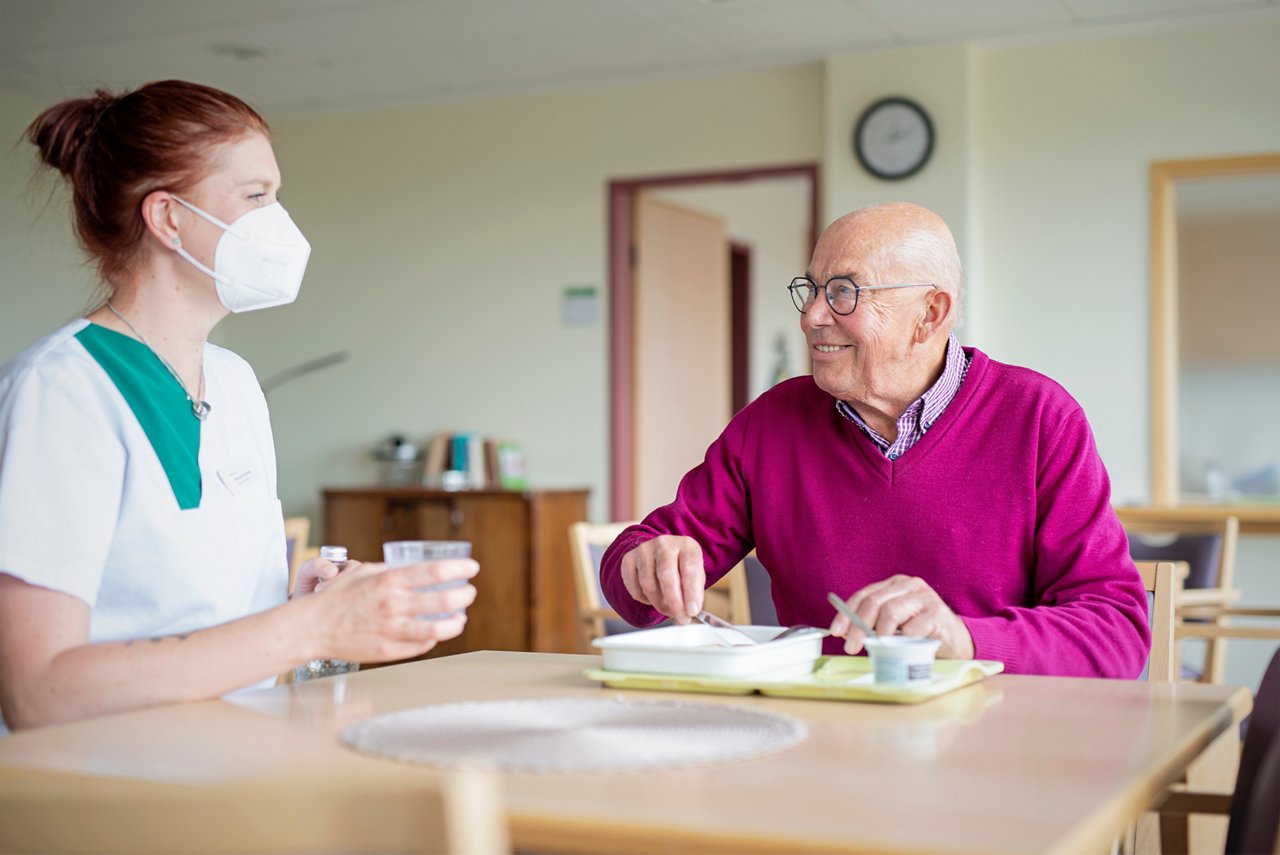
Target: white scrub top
x=112 y=492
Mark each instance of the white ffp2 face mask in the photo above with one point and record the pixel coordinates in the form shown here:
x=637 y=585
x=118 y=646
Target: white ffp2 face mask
x=259 y=260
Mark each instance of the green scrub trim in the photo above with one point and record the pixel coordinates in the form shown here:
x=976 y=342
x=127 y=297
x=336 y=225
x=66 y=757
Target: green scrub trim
x=159 y=403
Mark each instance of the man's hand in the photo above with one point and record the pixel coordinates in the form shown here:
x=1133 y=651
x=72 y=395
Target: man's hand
x=666 y=573
x=905 y=603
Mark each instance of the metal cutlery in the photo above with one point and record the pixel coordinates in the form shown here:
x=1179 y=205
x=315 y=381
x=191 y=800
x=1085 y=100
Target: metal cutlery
x=716 y=623
x=843 y=608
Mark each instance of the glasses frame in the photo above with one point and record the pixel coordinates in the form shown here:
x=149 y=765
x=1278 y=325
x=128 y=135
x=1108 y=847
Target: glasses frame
x=803 y=304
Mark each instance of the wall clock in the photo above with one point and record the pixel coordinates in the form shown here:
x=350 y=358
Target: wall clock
x=893 y=138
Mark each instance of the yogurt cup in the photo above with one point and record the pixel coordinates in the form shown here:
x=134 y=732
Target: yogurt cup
x=902 y=660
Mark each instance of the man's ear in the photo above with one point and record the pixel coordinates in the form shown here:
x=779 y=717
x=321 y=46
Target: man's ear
x=937 y=313
x=160 y=213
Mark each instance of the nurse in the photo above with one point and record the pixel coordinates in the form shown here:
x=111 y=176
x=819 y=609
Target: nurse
x=142 y=554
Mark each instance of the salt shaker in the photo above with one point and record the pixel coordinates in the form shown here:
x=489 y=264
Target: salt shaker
x=327 y=667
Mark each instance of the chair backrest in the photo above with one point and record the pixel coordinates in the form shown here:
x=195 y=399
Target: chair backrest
x=1207 y=544
x=759 y=590
x=587 y=543
x=1162 y=581
x=1255 y=805
x=42 y=811
x=296 y=531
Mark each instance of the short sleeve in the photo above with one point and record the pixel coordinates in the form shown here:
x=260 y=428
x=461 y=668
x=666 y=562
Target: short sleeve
x=62 y=467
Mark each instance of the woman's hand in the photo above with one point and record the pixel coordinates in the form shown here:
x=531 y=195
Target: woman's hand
x=312 y=574
x=369 y=613
x=909 y=604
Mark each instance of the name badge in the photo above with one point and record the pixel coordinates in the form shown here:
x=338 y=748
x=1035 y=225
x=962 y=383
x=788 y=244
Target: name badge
x=239 y=475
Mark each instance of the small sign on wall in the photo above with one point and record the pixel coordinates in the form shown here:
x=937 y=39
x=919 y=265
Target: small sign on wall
x=581 y=305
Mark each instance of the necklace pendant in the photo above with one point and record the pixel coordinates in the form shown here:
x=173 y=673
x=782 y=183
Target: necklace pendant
x=200 y=409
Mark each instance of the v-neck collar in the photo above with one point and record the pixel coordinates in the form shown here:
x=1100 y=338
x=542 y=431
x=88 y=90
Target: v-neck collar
x=891 y=469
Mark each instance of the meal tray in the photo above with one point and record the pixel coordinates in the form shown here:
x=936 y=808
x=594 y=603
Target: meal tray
x=834 y=678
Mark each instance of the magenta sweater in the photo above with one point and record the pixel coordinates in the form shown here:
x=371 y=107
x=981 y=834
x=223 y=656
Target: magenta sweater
x=1003 y=507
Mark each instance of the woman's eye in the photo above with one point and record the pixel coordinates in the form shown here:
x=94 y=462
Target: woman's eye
x=257 y=197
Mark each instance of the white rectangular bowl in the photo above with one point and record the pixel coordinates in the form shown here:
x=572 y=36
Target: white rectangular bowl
x=693 y=649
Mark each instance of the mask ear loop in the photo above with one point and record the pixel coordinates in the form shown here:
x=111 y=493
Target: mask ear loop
x=206 y=215
x=177 y=242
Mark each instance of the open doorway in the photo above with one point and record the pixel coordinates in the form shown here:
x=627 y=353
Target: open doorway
x=769 y=223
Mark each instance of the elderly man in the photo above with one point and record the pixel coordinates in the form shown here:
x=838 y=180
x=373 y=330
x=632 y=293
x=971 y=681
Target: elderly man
x=943 y=493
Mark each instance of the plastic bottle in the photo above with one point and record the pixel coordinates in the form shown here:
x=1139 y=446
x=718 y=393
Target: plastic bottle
x=327 y=667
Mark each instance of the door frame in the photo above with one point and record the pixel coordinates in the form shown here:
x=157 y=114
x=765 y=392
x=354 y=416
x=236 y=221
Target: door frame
x=620 y=196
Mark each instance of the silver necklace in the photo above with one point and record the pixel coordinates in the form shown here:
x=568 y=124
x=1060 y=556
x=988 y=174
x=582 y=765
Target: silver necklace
x=199 y=407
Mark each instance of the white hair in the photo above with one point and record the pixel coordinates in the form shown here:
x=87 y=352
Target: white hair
x=934 y=255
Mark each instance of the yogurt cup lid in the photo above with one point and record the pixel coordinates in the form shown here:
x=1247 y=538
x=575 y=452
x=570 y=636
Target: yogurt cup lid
x=901 y=642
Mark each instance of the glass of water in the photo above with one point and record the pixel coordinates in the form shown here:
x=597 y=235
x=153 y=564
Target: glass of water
x=399 y=553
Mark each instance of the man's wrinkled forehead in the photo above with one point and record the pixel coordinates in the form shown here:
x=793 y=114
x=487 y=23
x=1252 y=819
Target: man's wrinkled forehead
x=845 y=252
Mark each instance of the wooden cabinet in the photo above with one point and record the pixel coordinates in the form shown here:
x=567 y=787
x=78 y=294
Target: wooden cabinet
x=525 y=595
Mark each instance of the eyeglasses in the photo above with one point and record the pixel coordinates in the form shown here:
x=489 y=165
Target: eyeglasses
x=842 y=293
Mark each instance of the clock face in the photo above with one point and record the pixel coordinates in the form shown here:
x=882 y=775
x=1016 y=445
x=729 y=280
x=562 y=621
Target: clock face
x=893 y=138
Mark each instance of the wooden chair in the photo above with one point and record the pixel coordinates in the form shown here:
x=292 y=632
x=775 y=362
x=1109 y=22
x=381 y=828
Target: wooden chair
x=587 y=543
x=296 y=531
x=1253 y=807
x=404 y=811
x=1168 y=830
x=1208 y=545
x=1206 y=605
x=1163 y=582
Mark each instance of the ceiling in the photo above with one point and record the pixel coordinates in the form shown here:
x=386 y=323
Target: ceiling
x=299 y=56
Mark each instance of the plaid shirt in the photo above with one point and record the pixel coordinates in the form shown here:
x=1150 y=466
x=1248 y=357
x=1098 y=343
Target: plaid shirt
x=924 y=411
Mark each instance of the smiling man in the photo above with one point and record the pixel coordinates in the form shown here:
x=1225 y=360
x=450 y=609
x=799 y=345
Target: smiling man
x=943 y=493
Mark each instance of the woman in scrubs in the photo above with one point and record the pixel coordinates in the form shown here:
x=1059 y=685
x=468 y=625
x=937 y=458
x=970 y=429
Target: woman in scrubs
x=142 y=553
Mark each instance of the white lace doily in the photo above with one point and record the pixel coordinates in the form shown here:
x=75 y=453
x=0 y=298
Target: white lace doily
x=575 y=734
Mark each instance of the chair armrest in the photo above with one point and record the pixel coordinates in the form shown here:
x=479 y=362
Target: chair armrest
x=1250 y=611
x=1206 y=597
x=1183 y=801
x=1209 y=630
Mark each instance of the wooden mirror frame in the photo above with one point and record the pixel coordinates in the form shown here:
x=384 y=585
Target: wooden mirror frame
x=1164 y=304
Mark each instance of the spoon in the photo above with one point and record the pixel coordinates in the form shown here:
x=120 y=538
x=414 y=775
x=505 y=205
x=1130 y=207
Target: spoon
x=843 y=608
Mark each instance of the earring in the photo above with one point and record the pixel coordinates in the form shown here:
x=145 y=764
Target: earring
x=177 y=242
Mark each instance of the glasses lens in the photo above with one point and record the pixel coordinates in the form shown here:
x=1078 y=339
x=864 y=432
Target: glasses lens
x=843 y=295
x=802 y=293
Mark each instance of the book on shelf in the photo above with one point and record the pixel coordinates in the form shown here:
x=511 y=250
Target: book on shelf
x=479 y=462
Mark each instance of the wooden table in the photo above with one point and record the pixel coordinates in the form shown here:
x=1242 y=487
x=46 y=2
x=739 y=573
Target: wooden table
x=1012 y=764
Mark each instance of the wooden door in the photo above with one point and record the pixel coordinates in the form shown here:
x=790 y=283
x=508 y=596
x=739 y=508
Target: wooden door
x=681 y=358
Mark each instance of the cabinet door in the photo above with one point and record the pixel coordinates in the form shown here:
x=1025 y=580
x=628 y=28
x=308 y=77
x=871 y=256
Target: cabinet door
x=498 y=528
